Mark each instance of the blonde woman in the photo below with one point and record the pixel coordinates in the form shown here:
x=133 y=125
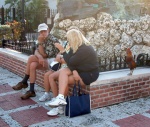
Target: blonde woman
x=82 y=65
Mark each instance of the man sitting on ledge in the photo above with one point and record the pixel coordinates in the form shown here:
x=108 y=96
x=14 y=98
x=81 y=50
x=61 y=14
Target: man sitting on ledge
x=43 y=56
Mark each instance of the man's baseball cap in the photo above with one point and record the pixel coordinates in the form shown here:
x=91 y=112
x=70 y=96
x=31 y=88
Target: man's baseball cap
x=42 y=26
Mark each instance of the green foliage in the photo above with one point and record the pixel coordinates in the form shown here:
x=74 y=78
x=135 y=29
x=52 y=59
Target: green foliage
x=124 y=9
x=17 y=4
x=5 y=30
x=11 y=31
x=35 y=11
x=127 y=9
x=121 y=13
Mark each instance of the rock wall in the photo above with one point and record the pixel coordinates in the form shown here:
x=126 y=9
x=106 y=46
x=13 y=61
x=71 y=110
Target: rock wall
x=108 y=35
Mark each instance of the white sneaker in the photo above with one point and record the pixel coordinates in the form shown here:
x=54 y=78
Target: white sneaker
x=45 y=97
x=58 y=101
x=47 y=103
x=56 y=111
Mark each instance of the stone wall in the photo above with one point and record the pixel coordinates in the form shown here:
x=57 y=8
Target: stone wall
x=108 y=35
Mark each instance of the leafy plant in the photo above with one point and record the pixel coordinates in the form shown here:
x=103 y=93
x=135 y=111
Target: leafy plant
x=5 y=30
x=12 y=30
x=35 y=11
x=16 y=29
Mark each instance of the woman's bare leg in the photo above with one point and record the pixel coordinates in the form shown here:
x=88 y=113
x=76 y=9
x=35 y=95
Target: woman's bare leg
x=52 y=80
x=66 y=78
x=63 y=80
x=46 y=81
x=64 y=75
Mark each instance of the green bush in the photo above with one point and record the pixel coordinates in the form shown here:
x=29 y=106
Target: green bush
x=5 y=30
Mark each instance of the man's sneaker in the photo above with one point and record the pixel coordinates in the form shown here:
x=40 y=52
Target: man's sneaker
x=58 y=101
x=56 y=111
x=19 y=86
x=47 y=103
x=28 y=94
x=45 y=97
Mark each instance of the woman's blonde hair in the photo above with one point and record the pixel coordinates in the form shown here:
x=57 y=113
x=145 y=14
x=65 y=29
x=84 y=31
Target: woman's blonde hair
x=76 y=39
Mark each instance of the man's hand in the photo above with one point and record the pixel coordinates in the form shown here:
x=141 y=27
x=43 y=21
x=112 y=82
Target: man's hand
x=41 y=39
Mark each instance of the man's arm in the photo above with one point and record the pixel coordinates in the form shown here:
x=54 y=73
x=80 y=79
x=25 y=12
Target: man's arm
x=40 y=57
x=36 y=53
x=41 y=51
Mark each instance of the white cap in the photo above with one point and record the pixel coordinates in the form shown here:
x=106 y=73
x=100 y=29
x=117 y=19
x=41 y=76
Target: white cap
x=42 y=26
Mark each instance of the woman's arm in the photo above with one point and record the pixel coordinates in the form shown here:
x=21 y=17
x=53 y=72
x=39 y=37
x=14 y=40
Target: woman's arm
x=75 y=59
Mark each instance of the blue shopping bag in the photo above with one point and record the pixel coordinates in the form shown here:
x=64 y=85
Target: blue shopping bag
x=78 y=103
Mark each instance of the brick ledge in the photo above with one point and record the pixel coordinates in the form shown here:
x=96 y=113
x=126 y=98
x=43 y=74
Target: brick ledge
x=122 y=76
x=103 y=92
x=14 y=54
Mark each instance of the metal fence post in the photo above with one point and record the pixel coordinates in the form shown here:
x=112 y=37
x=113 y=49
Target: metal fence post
x=23 y=38
x=14 y=14
x=48 y=13
x=2 y=11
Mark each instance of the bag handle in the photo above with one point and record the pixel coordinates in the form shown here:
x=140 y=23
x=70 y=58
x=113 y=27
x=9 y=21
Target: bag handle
x=80 y=88
x=75 y=90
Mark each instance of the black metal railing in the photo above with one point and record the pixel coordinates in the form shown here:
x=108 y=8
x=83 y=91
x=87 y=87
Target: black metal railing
x=105 y=64
x=119 y=62
x=28 y=46
x=24 y=47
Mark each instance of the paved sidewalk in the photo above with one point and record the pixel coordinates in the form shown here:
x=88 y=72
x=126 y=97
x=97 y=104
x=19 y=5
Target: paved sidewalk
x=15 y=112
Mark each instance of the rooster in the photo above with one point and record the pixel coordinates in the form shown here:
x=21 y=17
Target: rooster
x=130 y=61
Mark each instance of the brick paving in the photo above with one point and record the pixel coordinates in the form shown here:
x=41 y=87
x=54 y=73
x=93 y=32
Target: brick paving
x=15 y=112
x=31 y=116
x=5 y=88
x=13 y=101
x=148 y=111
x=38 y=114
x=3 y=123
x=134 y=121
x=24 y=117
